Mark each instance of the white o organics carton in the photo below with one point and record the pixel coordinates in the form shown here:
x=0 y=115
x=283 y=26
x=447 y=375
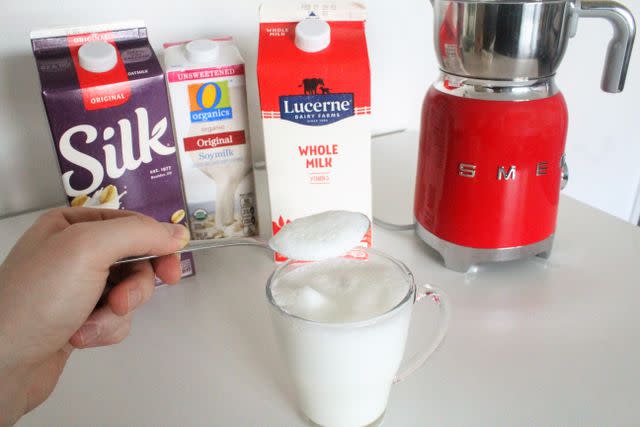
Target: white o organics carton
x=314 y=81
x=207 y=90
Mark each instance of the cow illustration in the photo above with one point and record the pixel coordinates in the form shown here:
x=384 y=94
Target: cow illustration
x=325 y=90
x=311 y=85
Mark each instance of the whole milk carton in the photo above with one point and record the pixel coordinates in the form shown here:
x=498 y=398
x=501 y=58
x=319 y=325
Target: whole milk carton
x=106 y=100
x=206 y=81
x=314 y=82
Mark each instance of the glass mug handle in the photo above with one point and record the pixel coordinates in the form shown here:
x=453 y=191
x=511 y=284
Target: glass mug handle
x=437 y=297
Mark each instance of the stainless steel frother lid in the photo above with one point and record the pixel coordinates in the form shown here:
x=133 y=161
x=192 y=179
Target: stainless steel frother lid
x=524 y=40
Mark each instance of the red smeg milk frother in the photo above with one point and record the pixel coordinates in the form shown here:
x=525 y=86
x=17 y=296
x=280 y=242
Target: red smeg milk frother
x=491 y=161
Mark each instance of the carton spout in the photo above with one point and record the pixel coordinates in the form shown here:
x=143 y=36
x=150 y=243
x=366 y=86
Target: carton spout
x=313 y=34
x=201 y=51
x=97 y=56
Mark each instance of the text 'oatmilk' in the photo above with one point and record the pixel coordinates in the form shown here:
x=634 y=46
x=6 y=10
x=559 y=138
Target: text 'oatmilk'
x=209 y=104
x=106 y=100
x=314 y=81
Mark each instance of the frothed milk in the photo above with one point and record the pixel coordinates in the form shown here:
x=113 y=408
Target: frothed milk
x=209 y=104
x=320 y=236
x=344 y=356
x=340 y=290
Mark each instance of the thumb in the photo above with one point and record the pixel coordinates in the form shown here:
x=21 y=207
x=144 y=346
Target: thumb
x=111 y=240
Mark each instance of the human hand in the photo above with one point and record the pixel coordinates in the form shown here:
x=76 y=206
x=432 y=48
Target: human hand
x=50 y=286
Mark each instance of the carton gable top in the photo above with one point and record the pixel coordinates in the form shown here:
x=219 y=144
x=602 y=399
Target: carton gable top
x=288 y=11
x=341 y=68
x=55 y=51
x=47 y=33
x=175 y=58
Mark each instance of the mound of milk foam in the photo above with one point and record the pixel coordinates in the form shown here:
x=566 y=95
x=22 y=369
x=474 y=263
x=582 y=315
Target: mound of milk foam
x=324 y=235
x=340 y=290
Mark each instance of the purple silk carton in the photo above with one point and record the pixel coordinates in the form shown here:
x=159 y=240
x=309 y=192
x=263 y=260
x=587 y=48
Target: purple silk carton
x=106 y=100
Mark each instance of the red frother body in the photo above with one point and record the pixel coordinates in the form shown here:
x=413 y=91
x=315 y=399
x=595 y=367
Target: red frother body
x=489 y=171
x=491 y=161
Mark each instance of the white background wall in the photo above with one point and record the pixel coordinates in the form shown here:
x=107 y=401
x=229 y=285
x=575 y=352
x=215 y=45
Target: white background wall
x=603 y=148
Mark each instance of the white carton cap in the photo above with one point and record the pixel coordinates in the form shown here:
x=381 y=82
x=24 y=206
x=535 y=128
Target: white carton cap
x=312 y=34
x=201 y=50
x=97 y=56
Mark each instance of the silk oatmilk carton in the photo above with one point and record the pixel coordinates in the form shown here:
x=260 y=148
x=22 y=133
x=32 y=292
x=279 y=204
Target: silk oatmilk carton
x=106 y=100
x=314 y=82
x=206 y=81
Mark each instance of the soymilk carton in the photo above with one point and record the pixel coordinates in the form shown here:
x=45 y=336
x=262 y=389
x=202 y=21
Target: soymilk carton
x=207 y=89
x=314 y=81
x=106 y=100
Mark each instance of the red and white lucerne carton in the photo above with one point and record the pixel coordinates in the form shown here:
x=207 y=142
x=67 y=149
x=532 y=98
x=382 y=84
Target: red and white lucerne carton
x=106 y=100
x=314 y=81
x=209 y=105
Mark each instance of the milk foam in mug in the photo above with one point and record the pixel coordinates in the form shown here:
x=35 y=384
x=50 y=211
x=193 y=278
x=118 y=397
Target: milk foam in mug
x=314 y=82
x=342 y=325
x=106 y=100
x=209 y=104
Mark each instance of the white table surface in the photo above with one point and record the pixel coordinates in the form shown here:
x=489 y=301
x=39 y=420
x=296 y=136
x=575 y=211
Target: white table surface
x=534 y=342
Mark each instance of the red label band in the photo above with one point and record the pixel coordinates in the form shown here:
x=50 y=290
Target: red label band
x=215 y=140
x=75 y=41
x=100 y=90
x=206 y=73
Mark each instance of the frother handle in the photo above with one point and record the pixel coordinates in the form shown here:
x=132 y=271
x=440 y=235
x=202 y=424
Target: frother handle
x=619 y=50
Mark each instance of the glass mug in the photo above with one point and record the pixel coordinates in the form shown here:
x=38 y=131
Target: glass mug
x=343 y=372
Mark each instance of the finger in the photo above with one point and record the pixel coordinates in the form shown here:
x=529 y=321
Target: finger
x=168 y=268
x=103 y=327
x=48 y=223
x=76 y=215
x=51 y=221
x=67 y=349
x=133 y=290
x=60 y=218
x=111 y=240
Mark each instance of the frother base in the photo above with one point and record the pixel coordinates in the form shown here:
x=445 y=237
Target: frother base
x=462 y=258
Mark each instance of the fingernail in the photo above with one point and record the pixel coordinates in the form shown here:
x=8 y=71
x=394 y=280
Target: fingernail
x=134 y=298
x=178 y=232
x=89 y=333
